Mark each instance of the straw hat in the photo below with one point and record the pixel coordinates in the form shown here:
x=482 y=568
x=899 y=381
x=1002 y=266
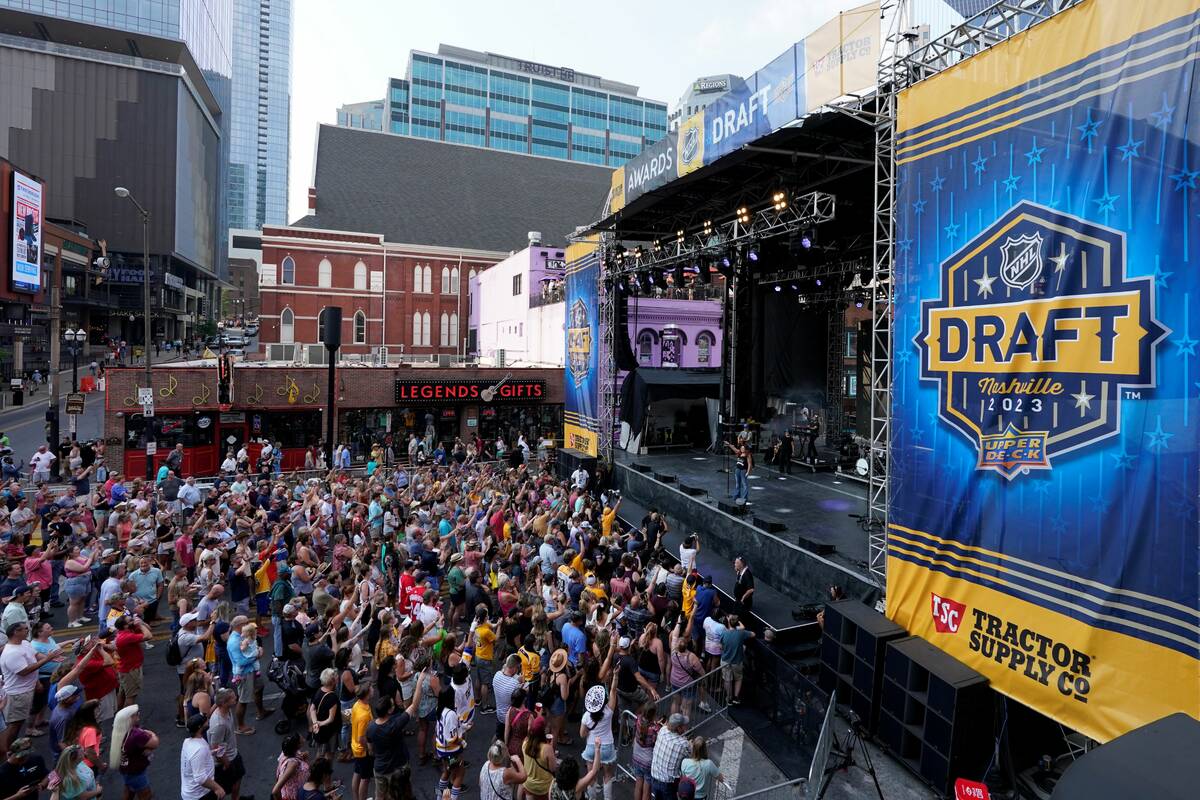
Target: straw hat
x=558 y=661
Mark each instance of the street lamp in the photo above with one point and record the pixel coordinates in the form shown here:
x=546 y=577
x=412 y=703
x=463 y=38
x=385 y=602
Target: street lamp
x=74 y=340
x=123 y=193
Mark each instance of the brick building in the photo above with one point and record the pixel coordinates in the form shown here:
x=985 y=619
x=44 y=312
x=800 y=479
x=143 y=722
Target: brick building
x=397 y=227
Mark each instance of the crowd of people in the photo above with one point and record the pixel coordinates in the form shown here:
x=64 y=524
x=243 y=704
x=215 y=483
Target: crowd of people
x=447 y=602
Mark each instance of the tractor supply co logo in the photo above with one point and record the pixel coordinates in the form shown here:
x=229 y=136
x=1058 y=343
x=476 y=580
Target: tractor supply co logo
x=1036 y=336
x=579 y=343
x=1031 y=653
x=690 y=145
x=947 y=614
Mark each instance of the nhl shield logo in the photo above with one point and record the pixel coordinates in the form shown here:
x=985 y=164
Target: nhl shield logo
x=1021 y=261
x=1035 y=366
x=579 y=343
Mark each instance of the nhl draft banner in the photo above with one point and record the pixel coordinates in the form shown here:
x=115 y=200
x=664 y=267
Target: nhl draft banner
x=1044 y=465
x=581 y=422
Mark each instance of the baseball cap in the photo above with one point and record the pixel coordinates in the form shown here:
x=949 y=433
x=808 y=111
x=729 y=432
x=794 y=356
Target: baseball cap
x=66 y=692
x=188 y=618
x=21 y=747
x=624 y=643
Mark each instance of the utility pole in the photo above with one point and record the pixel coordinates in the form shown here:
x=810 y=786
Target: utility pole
x=124 y=193
x=55 y=354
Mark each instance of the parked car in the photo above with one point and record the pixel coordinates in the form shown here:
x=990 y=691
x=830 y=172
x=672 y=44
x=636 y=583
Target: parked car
x=233 y=341
x=252 y=330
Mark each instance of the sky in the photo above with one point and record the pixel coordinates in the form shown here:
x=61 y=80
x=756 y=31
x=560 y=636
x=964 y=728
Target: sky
x=344 y=51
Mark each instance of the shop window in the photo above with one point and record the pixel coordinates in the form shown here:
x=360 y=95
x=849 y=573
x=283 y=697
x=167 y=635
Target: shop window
x=360 y=327
x=445 y=280
x=324 y=274
x=287 y=327
x=360 y=276
x=292 y=429
x=645 y=346
x=445 y=330
x=704 y=344
x=288 y=271
x=168 y=431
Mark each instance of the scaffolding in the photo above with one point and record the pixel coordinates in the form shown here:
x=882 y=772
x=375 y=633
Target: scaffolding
x=901 y=66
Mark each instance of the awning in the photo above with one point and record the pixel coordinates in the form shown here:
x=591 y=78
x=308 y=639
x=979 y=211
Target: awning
x=1156 y=760
x=646 y=385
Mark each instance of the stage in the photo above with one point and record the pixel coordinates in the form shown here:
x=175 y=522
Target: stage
x=813 y=542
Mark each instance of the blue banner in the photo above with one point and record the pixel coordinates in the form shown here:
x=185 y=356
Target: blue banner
x=1045 y=421
x=581 y=422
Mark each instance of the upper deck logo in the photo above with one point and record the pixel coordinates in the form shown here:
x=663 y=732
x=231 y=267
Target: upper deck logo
x=1036 y=332
x=579 y=343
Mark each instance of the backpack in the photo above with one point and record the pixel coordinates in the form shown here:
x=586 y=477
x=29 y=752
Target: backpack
x=686 y=789
x=174 y=655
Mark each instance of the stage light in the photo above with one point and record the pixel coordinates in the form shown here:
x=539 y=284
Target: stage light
x=639 y=252
x=806 y=242
x=818 y=281
x=743 y=215
x=752 y=252
x=779 y=200
x=623 y=284
x=795 y=287
x=657 y=247
x=778 y=288
x=707 y=228
x=679 y=236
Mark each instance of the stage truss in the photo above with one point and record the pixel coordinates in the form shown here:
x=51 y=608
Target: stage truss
x=901 y=66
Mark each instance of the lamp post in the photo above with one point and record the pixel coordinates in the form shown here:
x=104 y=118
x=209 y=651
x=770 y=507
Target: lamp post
x=122 y=192
x=74 y=340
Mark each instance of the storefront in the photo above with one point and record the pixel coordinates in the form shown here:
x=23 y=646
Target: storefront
x=286 y=404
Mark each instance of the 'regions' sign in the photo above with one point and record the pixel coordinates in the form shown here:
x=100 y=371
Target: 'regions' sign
x=1036 y=334
x=507 y=390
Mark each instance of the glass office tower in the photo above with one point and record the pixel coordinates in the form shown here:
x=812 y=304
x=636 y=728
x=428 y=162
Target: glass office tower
x=489 y=100
x=259 y=118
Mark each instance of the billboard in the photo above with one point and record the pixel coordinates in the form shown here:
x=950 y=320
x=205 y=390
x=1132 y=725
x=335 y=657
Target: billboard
x=1043 y=478
x=581 y=420
x=26 y=268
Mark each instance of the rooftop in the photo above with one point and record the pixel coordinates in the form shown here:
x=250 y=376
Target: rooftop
x=425 y=192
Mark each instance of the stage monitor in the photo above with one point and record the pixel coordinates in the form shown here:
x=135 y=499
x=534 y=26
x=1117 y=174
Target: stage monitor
x=820 y=759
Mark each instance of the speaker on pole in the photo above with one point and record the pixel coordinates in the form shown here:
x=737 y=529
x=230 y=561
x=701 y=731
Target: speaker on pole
x=331 y=337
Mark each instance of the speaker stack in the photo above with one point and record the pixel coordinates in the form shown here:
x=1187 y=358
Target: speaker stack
x=852 y=651
x=571 y=460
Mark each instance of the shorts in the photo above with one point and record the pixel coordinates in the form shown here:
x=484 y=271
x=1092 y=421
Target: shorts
x=687 y=692
x=732 y=672
x=608 y=753
x=391 y=784
x=246 y=686
x=19 y=707
x=452 y=760
x=130 y=683
x=136 y=783
x=107 y=708
x=458 y=598
x=263 y=603
x=641 y=772
x=78 y=586
x=558 y=707
x=486 y=671
x=364 y=767
x=228 y=776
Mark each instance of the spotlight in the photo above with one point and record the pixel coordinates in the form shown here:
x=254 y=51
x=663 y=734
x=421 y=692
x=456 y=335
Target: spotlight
x=679 y=236
x=818 y=281
x=707 y=228
x=806 y=242
x=639 y=252
x=657 y=247
x=752 y=252
x=778 y=288
x=743 y=215
x=623 y=284
x=795 y=287
x=859 y=297
x=779 y=200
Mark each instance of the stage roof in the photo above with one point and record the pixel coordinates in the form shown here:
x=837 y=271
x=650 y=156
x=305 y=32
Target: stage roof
x=1156 y=760
x=831 y=151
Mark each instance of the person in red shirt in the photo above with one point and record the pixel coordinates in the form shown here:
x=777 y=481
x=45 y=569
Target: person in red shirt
x=99 y=677
x=407 y=584
x=185 y=555
x=131 y=632
x=497 y=523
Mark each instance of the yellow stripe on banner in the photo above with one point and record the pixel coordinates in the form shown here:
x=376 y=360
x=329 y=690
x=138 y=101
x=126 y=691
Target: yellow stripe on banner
x=1194 y=629
x=1042 y=49
x=1171 y=67
x=1098 y=682
x=1048 y=570
x=1070 y=92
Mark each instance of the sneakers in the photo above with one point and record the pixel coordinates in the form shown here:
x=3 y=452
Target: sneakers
x=79 y=623
x=84 y=619
x=705 y=707
x=180 y=723
x=149 y=646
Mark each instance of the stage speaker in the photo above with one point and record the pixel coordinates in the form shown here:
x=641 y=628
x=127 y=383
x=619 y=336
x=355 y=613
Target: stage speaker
x=936 y=713
x=645 y=469
x=852 y=650
x=571 y=460
x=331 y=335
x=731 y=508
x=624 y=355
x=769 y=525
x=693 y=491
x=812 y=545
x=663 y=477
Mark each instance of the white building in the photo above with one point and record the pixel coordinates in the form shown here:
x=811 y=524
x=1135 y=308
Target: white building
x=517 y=314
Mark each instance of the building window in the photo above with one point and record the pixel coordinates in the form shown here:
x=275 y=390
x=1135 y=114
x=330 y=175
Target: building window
x=851 y=385
x=445 y=280
x=321 y=326
x=427 y=275
x=416 y=337
x=425 y=324
x=454 y=330
x=360 y=327
x=289 y=271
x=417 y=278
x=445 y=330
x=516 y=284
x=360 y=276
x=851 y=343
x=645 y=346
x=704 y=343
x=287 y=326
x=471 y=275
x=454 y=280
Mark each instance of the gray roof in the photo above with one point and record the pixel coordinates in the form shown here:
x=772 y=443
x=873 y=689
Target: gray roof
x=420 y=191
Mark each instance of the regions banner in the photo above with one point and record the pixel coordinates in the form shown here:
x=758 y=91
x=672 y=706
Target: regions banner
x=581 y=422
x=1046 y=421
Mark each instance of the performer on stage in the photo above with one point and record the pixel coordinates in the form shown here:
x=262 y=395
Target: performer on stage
x=743 y=589
x=811 y=433
x=741 y=472
x=783 y=456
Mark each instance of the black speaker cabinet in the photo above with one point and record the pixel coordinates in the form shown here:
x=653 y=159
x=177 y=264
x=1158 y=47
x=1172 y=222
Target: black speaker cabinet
x=852 y=647
x=332 y=332
x=936 y=715
x=571 y=460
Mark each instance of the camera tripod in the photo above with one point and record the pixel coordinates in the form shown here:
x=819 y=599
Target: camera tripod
x=845 y=758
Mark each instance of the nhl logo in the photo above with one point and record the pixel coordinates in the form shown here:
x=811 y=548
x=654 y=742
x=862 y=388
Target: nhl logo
x=691 y=145
x=1021 y=261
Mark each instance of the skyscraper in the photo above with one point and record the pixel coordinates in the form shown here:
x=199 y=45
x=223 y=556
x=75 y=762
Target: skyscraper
x=259 y=115
x=367 y=115
x=490 y=100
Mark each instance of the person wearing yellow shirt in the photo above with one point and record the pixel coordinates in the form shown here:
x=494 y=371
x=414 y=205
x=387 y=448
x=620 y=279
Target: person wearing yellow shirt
x=592 y=585
x=485 y=641
x=689 y=595
x=364 y=763
x=608 y=517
